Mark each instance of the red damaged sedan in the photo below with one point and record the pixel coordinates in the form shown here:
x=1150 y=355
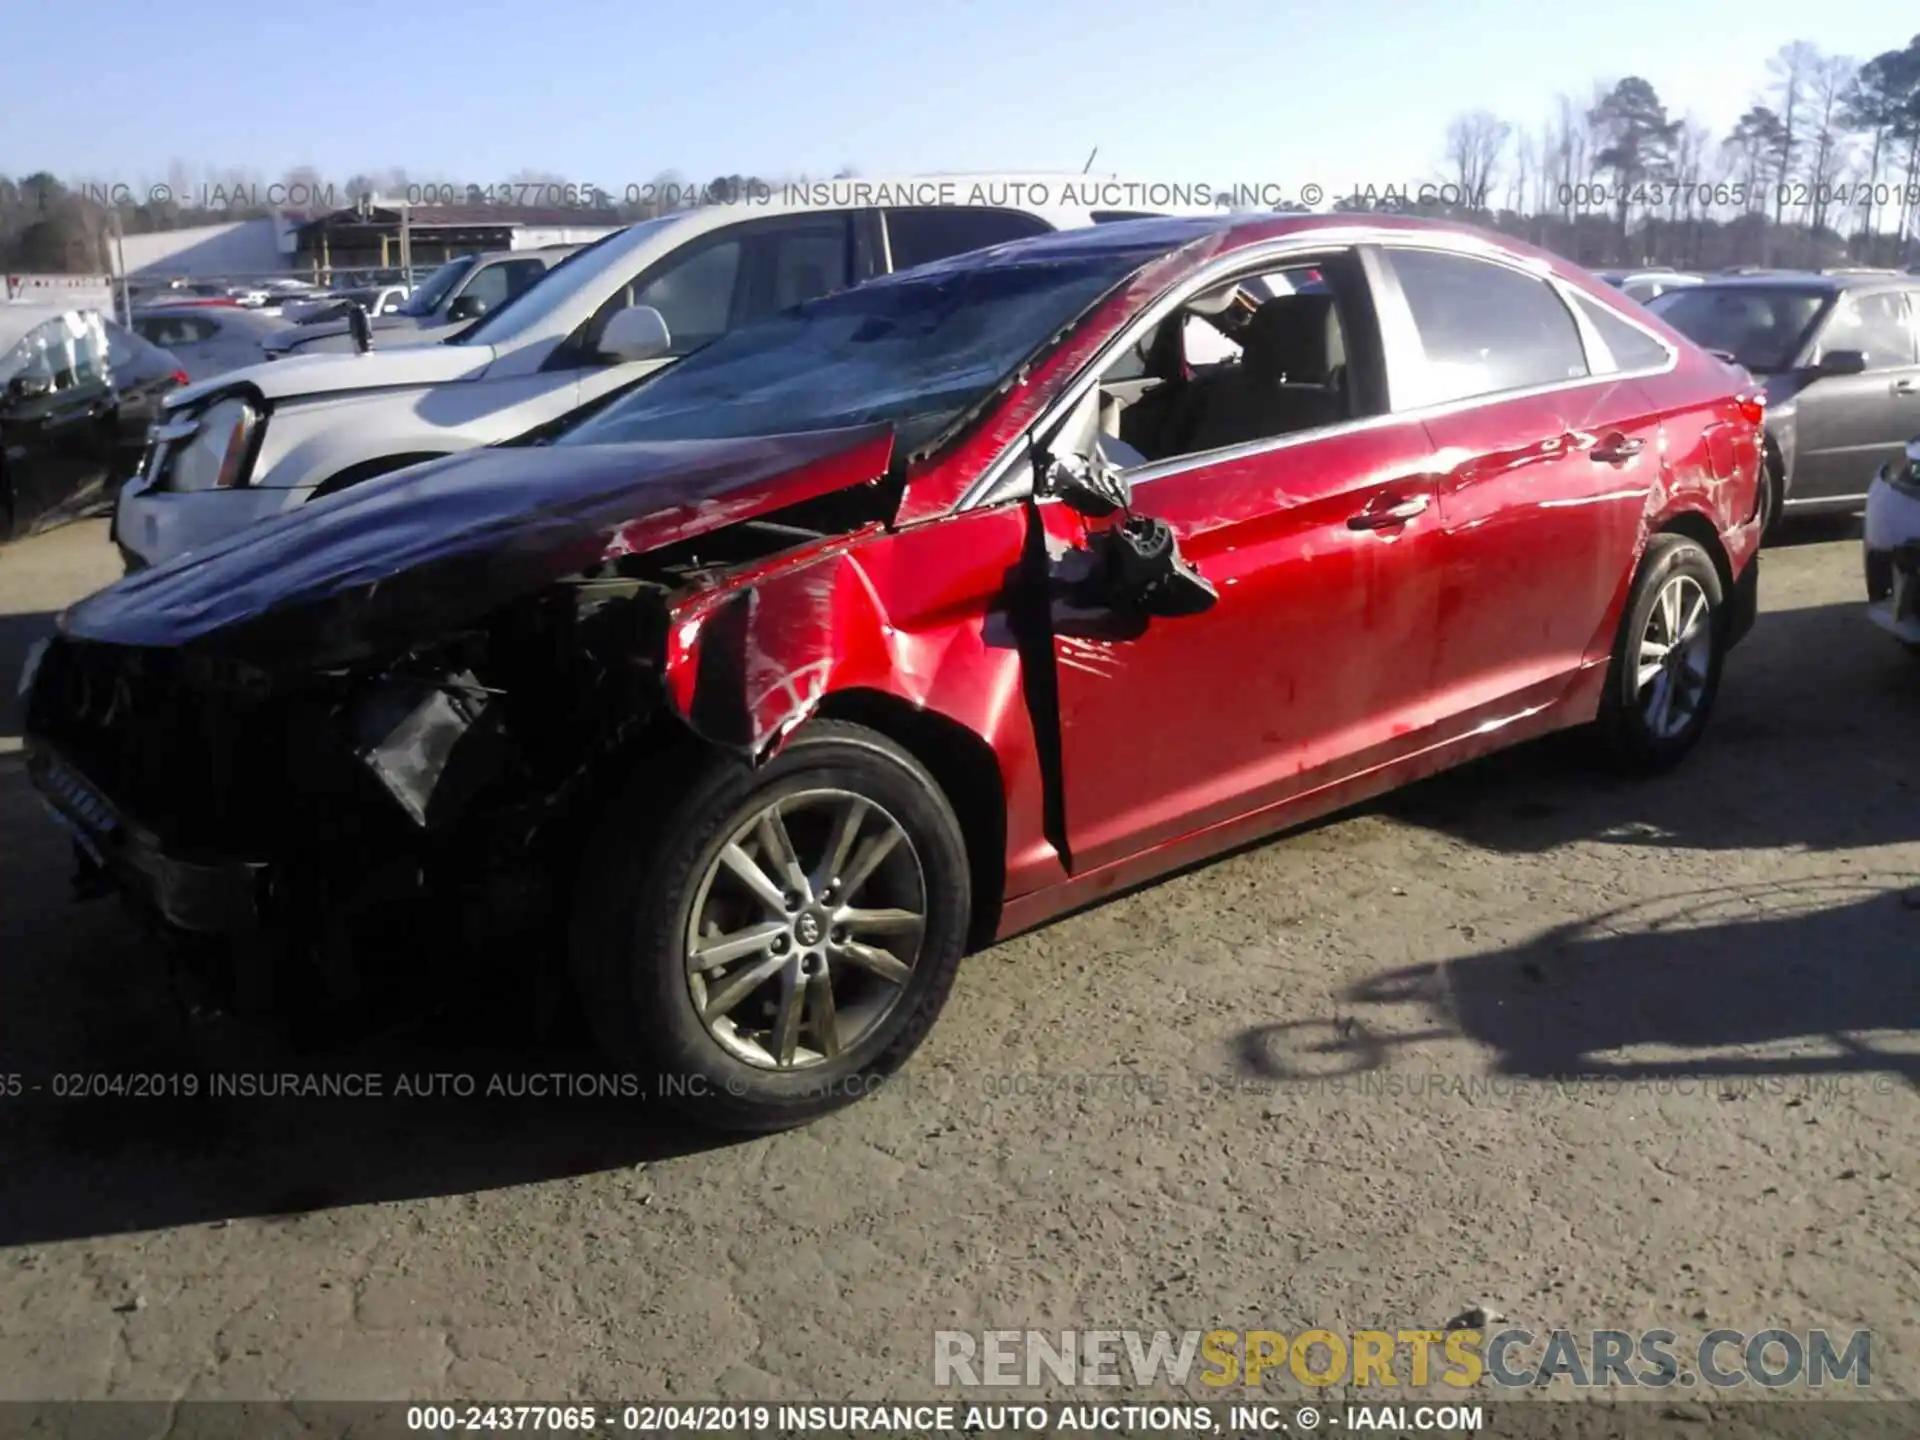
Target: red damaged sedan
x=909 y=618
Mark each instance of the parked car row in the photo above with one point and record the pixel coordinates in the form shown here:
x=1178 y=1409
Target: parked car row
x=824 y=593
x=457 y=293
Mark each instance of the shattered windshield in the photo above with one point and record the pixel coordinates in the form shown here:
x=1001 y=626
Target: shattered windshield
x=918 y=350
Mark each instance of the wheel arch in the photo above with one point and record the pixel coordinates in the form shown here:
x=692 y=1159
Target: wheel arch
x=965 y=768
x=1697 y=527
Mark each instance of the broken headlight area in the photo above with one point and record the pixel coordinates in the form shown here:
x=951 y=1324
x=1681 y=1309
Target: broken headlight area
x=334 y=825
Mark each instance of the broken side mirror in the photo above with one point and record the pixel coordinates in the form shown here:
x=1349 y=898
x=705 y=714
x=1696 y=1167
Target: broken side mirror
x=1089 y=487
x=1146 y=574
x=1842 y=362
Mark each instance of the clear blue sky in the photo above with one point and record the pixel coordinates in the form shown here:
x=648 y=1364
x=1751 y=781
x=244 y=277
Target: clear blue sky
x=1357 y=92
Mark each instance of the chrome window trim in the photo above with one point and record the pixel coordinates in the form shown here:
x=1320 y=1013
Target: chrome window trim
x=993 y=486
x=1571 y=294
x=1249 y=259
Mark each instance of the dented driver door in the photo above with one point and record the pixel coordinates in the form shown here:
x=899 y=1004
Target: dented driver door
x=1313 y=663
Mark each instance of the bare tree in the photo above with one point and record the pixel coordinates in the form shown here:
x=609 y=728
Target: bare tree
x=1476 y=142
x=1523 y=171
x=1791 y=73
x=1557 y=156
x=1589 y=136
x=1828 y=142
x=1751 y=146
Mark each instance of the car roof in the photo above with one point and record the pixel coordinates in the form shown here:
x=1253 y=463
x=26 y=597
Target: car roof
x=1807 y=281
x=234 y=314
x=1236 y=230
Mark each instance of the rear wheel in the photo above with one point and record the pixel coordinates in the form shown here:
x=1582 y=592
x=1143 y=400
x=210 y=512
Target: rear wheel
x=785 y=938
x=1773 y=486
x=1665 y=671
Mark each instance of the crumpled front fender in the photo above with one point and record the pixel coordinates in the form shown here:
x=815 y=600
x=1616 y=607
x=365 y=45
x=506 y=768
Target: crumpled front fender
x=919 y=615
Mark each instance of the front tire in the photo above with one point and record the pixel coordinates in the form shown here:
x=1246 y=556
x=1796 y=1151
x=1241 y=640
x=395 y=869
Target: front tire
x=1665 y=672
x=784 y=938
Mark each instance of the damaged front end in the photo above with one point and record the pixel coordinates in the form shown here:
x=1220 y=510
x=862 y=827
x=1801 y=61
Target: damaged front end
x=348 y=756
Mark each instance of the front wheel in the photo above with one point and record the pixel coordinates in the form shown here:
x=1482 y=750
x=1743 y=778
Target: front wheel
x=785 y=938
x=1665 y=671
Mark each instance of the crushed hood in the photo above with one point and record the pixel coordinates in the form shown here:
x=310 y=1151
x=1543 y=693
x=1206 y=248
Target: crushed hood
x=324 y=373
x=405 y=557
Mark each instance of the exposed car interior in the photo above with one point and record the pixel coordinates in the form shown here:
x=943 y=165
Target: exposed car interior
x=1254 y=359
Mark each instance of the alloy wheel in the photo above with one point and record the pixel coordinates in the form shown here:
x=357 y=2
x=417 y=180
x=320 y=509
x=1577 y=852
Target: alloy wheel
x=1676 y=657
x=805 y=929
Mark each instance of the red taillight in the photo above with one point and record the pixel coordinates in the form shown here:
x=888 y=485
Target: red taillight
x=180 y=378
x=1753 y=408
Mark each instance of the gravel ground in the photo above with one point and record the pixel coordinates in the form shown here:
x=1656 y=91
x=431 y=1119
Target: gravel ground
x=1314 y=1084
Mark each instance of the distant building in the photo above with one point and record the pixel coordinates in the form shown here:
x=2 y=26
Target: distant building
x=236 y=248
x=368 y=237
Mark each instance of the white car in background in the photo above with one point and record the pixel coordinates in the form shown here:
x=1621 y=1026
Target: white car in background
x=1890 y=545
x=259 y=441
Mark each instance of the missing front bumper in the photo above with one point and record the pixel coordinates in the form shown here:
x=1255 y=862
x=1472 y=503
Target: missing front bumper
x=201 y=895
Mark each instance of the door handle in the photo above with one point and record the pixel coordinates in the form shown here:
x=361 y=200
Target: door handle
x=1906 y=387
x=1385 y=517
x=1616 y=449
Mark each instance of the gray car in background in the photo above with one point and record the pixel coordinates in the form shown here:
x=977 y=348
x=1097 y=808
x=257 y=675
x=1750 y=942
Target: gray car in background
x=208 y=340
x=458 y=293
x=1647 y=285
x=1839 y=355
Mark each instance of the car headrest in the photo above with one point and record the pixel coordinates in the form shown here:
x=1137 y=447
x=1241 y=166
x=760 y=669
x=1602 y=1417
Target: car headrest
x=1288 y=339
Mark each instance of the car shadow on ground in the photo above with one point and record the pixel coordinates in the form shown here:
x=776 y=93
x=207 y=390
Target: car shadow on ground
x=1822 y=675
x=17 y=636
x=96 y=1137
x=1715 y=983
x=90 y=1152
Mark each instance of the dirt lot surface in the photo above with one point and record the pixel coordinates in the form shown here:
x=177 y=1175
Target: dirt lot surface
x=1314 y=1084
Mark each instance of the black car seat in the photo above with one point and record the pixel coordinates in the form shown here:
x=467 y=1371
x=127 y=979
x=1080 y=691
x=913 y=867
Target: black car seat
x=1291 y=377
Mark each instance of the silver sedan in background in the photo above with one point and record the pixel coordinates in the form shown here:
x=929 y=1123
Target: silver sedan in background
x=208 y=339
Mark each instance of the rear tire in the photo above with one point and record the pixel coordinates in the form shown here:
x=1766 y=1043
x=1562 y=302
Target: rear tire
x=1773 y=486
x=1665 y=671
x=750 y=1043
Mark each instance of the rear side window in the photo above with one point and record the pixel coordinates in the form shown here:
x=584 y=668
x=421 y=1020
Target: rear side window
x=1877 y=325
x=920 y=236
x=1484 y=328
x=168 y=331
x=1631 y=347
